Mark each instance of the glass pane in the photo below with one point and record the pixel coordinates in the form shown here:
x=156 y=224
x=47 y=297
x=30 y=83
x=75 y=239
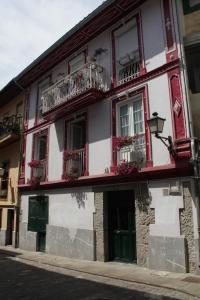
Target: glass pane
x=138 y=117
x=124 y=120
x=42 y=147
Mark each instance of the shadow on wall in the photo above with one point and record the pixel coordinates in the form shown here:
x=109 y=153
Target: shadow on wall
x=80 y=198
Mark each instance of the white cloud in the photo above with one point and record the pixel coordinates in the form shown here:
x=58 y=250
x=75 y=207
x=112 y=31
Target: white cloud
x=29 y=27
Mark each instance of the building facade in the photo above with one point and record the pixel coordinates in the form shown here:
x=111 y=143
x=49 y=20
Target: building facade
x=94 y=183
x=11 y=115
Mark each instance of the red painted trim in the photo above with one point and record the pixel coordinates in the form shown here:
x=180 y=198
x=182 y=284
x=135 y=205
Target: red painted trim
x=141 y=43
x=179 y=169
x=178 y=117
x=137 y=17
x=23 y=160
x=144 y=78
x=39 y=127
x=34 y=139
x=144 y=92
x=133 y=83
x=170 y=36
x=26 y=109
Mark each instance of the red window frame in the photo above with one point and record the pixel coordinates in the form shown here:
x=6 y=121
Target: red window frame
x=144 y=92
x=66 y=122
x=35 y=137
x=140 y=45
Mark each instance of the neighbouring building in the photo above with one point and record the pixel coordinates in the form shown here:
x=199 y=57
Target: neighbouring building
x=11 y=114
x=95 y=184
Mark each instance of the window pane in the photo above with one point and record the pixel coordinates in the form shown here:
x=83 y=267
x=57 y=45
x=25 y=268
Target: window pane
x=124 y=120
x=138 y=117
x=42 y=147
x=77 y=63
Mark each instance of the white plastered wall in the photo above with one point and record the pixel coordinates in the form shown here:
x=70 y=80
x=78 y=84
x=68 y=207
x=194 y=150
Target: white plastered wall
x=67 y=208
x=56 y=144
x=99 y=137
x=153 y=35
x=167 y=218
x=29 y=143
x=159 y=101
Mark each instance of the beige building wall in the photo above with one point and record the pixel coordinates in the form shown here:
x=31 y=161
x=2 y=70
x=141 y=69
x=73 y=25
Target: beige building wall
x=10 y=152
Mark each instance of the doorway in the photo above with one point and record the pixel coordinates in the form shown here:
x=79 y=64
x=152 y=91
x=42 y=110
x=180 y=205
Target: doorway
x=122 y=229
x=10 y=226
x=38 y=219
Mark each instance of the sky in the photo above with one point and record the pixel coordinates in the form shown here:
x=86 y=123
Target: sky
x=29 y=27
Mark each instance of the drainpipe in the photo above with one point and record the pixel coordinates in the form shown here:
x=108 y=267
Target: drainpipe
x=17 y=207
x=195 y=142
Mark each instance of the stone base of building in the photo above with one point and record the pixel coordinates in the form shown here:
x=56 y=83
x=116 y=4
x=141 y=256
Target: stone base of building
x=3 y=237
x=70 y=242
x=27 y=239
x=167 y=254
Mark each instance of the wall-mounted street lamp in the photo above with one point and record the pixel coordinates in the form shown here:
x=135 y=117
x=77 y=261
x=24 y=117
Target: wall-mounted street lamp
x=156 y=125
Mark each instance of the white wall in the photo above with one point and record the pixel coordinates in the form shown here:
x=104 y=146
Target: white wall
x=159 y=101
x=29 y=142
x=56 y=144
x=68 y=208
x=153 y=35
x=72 y=210
x=99 y=137
x=166 y=210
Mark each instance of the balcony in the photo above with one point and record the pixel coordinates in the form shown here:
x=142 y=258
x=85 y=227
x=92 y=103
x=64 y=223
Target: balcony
x=10 y=129
x=38 y=171
x=128 y=72
x=130 y=153
x=75 y=164
x=74 y=91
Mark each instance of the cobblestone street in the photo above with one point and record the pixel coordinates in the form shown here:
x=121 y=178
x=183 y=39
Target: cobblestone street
x=23 y=279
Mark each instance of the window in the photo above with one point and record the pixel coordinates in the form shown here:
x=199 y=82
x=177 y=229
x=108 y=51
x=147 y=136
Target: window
x=127 y=56
x=4 y=180
x=193 y=64
x=190 y=5
x=77 y=63
x=39 y=168
x=130 y=123
x=131 y=118
x=75 y=163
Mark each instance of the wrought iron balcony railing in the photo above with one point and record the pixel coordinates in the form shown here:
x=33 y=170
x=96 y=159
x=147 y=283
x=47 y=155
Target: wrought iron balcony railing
x=72 y=85
x=130 y=153
x=38 y=173
x=10 y=125
x=128 y=72
x=75 y=163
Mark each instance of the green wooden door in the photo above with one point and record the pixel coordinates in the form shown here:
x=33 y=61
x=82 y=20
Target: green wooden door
x=122 y=226
x=38 y=218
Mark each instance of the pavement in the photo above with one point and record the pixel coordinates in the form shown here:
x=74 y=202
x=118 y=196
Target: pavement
x=132 y=279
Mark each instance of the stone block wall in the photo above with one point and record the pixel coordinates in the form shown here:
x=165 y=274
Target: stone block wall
x=144 y=217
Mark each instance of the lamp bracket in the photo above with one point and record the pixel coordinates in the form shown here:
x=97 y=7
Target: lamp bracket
x=167 y=141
